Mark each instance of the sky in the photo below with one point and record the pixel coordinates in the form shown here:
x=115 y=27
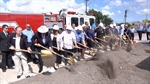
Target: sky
x=137 y=10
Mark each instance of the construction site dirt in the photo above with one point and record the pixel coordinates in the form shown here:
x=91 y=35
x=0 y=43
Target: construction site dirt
x=111 y=67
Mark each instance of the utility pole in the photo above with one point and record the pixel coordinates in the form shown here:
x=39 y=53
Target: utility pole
x=86 y=5
x=125 y=17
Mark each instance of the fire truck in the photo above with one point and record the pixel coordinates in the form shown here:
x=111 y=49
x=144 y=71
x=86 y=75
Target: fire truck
x=36 y=20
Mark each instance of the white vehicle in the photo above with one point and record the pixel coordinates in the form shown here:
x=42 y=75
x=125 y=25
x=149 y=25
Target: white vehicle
x=70 y=17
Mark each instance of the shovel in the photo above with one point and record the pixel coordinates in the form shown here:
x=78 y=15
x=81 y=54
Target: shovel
x=94 y=42
x=70 y=59
x=64 y=50
x=43 y=52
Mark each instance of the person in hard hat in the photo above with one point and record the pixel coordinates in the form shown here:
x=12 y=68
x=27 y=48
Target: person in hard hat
x=121 y=30
x=80 y=38
x=85 y=31
x=127 y=34
x=42 y=37
x=100 y=32
x=69 y=41
x=57 y=42
x=115 y=30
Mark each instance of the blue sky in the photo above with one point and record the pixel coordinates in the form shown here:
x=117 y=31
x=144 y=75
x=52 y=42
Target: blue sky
x=137 y=9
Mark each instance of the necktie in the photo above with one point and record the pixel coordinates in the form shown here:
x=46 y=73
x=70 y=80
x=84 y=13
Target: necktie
x=6 y=34
x=43 y=38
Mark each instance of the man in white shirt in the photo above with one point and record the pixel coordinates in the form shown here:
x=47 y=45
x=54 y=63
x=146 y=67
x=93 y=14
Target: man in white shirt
x=19 y=41
x=69 y=41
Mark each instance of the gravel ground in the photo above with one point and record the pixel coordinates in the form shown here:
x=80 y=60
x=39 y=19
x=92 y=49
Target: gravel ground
x=111 y=67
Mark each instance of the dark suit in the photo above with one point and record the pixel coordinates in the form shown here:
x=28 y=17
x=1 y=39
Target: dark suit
x=4 y=48
x=23 y=43
x=37 y=38
x=20 y=58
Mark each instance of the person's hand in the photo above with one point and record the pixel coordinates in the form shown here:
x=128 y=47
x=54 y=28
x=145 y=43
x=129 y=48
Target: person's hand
x=37 y=44
x=76 y=46
x=29 y=50
x=96 y=41
x=85 y=46
x=12 y=47
x=61 y=49
x=104 y=40
x=50 y=49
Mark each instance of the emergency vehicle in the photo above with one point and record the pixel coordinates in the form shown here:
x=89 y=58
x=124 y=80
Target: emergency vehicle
x=36 y=20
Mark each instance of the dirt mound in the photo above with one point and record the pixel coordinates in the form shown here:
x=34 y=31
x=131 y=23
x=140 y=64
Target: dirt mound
x=111 y=67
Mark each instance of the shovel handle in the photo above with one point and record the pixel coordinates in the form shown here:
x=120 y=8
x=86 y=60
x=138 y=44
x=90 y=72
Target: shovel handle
x=23 y=50
x=101 y=40
x=64 y=50
x=128 y=37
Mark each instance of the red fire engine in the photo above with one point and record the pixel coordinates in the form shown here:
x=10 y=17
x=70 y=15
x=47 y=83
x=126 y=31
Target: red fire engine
x=36 y=20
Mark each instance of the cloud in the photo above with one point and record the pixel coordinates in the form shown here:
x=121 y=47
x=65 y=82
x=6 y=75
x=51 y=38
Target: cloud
x=115 y=3
x=41 y=6
x=140 y=1
x=107 y=7
x=95 y=4
x=143 y=12
x=106 y=12
x=119 y=11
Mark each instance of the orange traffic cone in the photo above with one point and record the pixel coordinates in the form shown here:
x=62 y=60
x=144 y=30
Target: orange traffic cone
x=134 y=42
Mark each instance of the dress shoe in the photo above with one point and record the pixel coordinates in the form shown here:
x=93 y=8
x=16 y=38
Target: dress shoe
x=19 y=76
x=35 y=62
x=28 y=76
x=10 y=67
x=4 y=70
x=40 y=69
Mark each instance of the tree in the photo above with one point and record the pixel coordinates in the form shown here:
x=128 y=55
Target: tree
x=100 y=17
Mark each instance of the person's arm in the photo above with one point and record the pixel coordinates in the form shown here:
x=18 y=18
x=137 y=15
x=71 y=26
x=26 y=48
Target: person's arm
x=74 y=39
x=83 y=39
x=95 y=32
x=59 y=42
x=50 y=42
x=92 y=35
x=10 y=42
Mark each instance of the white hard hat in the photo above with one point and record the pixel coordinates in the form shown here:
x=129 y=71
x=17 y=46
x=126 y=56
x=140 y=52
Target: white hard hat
x=69 y=27
x=55 y=27
x=83 y=25
x=80 y=28
x=111 y=25
x=114 y=24
x=101 y=24
x=122 y=25
x=43 y=29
